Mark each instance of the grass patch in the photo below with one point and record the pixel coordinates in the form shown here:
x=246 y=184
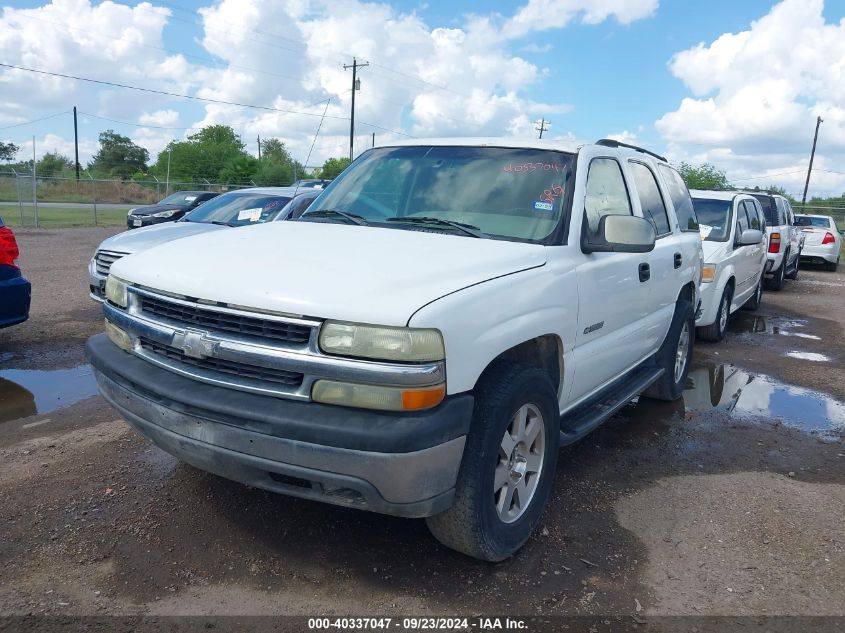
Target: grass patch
x=62 y=217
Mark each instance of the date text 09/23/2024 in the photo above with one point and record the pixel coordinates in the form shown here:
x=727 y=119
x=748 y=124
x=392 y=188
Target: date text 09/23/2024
x=418 y=623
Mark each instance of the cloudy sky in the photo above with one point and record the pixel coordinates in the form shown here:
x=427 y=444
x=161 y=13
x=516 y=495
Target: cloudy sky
x=738 y=84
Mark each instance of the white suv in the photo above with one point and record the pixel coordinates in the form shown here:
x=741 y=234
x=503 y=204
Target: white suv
x=785 y=239
x=445 y=316
x=733 y=230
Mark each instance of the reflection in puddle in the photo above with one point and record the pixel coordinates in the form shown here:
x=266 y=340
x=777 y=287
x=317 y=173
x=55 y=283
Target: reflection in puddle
x=745 y=323
x=732 y=390
x=820 y=358
x=25 y=392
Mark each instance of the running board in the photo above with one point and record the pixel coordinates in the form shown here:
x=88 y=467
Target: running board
x=585 y=417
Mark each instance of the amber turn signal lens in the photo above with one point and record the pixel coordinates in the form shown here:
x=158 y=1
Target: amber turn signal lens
x=423 y=398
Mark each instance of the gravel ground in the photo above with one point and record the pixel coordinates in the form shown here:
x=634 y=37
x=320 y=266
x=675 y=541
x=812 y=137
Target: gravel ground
x=668 y=509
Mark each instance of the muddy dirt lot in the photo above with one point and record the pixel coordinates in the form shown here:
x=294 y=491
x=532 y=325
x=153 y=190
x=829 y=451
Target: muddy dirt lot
x=728 y=503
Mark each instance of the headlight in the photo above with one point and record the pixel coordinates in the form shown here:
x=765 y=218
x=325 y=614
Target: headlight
x=708 y=273
x=376 y=397
x=383 y=343
x=165 y=214
x=116 y=291
x=118 y=337
x=131 y=211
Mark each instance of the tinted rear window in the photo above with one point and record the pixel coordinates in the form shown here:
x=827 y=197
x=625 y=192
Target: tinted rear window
x=769 y=210
x=800 y=220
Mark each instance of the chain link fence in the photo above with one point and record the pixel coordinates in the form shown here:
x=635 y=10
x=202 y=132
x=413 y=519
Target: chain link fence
x=52 y=201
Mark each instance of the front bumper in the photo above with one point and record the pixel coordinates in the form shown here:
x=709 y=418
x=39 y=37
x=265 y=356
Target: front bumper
x=15 y=297
x=402 y=464
x=710 y=296
x=147 y=220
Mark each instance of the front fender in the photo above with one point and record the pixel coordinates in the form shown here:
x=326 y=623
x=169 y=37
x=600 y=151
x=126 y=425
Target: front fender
x=481 y=322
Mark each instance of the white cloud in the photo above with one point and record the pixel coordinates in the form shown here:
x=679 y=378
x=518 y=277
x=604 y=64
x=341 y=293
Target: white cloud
x=162 y=118
x=541 y=15
x=756 y=95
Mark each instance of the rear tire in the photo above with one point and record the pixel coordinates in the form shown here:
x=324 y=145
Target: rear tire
x=487 y=519
x=675 y=355
x=831 y=266
x=715 y=332
x=794 y=274
x=778 y=278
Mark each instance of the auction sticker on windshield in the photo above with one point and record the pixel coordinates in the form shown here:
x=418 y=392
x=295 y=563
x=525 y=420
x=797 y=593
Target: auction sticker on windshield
x=252 y=215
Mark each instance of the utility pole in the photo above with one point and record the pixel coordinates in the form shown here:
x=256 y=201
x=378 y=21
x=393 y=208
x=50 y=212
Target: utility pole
x=259 y=148
x=167 y=182
x=819 y=121
x=76 y=143
x=542 y=126
x=356 y=85
x=34 y=185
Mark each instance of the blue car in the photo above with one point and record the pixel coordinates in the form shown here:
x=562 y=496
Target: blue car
x=15 y=290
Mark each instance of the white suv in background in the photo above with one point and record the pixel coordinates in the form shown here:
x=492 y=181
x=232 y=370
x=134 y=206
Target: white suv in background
x=733 y=230
x=785 y=240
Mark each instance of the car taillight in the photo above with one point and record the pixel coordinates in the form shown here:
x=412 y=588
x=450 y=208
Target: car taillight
x=8 y=247
x=828 y=238
x=774 y=243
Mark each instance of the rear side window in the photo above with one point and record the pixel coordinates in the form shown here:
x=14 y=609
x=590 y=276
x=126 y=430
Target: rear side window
x=651 y=200
x=606 y=193
x=678 y=192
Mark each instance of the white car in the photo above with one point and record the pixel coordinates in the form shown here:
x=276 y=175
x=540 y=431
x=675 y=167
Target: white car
x=444 y=317
x=235 y=208
x=785 y=240
x=822 y=240
x=733 y=233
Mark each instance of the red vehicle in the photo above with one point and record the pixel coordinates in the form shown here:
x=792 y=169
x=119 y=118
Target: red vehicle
x=15 y=290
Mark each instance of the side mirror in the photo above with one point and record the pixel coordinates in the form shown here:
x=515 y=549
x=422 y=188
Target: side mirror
x=621 y=234
x=750 y=237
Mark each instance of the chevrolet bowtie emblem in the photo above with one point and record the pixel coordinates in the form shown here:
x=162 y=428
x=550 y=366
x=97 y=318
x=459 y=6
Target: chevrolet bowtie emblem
x=194 y=344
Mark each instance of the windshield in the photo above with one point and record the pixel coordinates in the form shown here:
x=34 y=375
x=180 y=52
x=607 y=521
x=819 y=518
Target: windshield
x=506 y=193
x=181 y=198
x=714 y=218
x=809 y=220
x=238 y=209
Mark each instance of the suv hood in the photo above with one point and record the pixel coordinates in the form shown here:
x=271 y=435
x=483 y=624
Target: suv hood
x=714 y=252
x=334 y=271
x=149 y=236
x=155 y=208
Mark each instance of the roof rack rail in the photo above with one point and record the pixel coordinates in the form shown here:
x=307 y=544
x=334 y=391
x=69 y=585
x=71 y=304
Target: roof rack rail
x=609 y=142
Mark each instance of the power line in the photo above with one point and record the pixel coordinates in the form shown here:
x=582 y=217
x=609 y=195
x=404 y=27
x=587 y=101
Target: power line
x=785 y=173
x=155 y=127
x=52 y=116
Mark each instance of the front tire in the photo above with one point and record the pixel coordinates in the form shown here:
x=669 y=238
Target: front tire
x=675 y=355
x=715 y=332
x=508 y=464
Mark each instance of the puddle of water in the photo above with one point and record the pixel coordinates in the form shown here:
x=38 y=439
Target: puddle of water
x=746 y=323
x=25 y=392
x=755 y=397
x=813 y=356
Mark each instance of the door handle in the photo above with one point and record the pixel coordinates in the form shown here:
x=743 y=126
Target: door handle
x=645 y=272
x=678 y=260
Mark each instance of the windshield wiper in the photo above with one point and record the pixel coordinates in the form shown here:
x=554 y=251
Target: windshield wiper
x=322 y=213
x=468 y=229
x=217 y=222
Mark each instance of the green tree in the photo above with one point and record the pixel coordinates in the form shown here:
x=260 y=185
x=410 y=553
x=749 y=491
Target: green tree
x=53 y=163
x=332 y=168
x=272 y=174
x=118 y=156
x=203 y=155
x=8 y=151
x=239 y=170
x=273 y=150
x=704 y=176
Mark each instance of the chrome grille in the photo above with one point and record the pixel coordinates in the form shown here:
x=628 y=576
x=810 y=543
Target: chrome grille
x=104 y=260
x=242 y=370
x=213 y=320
